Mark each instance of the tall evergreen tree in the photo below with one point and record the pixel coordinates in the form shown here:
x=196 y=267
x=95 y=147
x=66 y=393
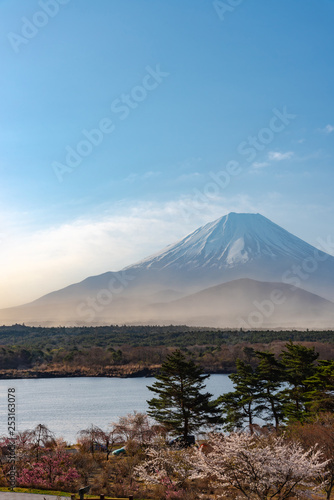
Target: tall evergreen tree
x=293 y=389
x=320 y=392
x=242 y=405
x=269 y=372
x=298 y=364
x=180 y=404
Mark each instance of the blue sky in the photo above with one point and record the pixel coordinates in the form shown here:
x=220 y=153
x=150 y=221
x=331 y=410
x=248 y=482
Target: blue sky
x=118 y=117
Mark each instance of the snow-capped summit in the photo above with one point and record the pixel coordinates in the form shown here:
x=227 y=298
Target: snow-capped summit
x=232 y=240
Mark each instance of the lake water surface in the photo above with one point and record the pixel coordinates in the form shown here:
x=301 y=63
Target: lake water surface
x=68 y=405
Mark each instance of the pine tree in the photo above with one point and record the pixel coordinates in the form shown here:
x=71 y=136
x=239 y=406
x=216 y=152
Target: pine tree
x=320 y=392
x=293 y=389
x=180 y=404
x=298 y=363
x=269 y=372
x=242 y=405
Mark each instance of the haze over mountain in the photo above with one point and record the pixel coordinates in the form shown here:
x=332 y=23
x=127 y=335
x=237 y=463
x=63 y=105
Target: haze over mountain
x=244 y=256
x=248 y=304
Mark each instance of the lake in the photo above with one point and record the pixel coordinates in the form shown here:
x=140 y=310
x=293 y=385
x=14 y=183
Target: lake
x=68 y=405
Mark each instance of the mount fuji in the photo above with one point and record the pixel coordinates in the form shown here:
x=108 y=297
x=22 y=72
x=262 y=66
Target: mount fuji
x=241 y=255
x=238 y=246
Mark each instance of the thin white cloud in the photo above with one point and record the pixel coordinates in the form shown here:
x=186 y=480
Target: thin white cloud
x=258 y=165
x=150 y=174
x=189 y=177
x=278 y=156
x=328 y=129
x=134 y=177
x=131 y=178
x=188 y=163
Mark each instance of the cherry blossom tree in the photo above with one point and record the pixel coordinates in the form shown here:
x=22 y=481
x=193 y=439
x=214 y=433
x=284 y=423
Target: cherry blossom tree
x=239 y=464
x=166 y=466
x=261 y=467
x=319 y=431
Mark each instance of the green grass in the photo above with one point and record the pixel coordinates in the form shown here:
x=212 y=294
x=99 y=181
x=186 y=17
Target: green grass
x=38 y=492
x=55 y=493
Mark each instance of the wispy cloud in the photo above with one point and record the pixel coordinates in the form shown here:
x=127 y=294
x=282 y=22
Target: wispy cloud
x=273 y=156
x=278 y=156
x=328 y=129
x=144 y=176
x=258 y=165
x=189 y=163
x=191 y=176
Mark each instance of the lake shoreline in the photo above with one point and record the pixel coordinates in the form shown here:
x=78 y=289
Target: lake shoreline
x=114 y=372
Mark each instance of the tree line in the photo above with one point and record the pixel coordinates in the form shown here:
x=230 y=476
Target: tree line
x=177 y=336
x=125 y=350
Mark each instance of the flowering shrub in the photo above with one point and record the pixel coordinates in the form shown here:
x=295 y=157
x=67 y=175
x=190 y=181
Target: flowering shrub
x=51 y=471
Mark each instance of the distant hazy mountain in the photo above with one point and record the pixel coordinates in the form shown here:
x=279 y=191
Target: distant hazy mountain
x=247 y=304
x=164 y=287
